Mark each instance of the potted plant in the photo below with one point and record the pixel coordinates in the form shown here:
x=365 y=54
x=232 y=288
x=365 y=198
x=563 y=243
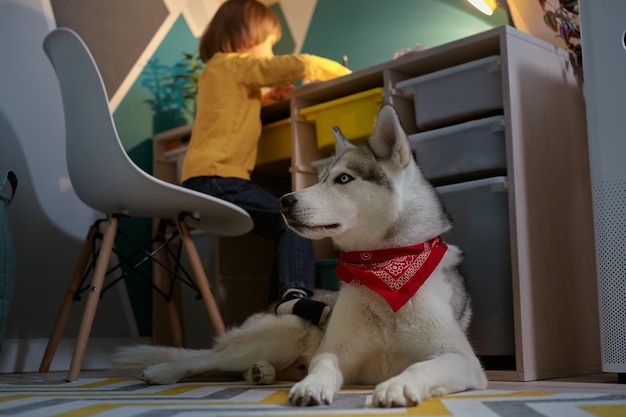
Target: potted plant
x=191 y=67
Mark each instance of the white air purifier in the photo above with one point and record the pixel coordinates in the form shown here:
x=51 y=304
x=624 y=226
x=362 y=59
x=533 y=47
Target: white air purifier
x=603 y=28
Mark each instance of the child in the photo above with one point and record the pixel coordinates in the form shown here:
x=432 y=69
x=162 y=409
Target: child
x=237 y=49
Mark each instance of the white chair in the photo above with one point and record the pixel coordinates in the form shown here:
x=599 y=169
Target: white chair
x=106 y=179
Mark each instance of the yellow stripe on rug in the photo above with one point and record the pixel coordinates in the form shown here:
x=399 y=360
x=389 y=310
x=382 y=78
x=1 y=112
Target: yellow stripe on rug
x=605 y=410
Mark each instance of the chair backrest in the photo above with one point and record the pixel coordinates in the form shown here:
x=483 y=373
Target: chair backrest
x=94 y=151
x=102 y=174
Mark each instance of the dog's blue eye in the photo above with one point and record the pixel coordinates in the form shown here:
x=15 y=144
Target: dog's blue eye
x=344 y=179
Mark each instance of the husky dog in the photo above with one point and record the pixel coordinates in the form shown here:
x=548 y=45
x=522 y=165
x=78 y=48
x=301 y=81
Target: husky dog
x=401 y=316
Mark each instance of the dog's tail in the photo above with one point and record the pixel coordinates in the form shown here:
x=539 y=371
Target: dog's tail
x=134 y=359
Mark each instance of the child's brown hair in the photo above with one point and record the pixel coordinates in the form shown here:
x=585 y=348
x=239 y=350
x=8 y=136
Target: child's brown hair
x=237 y=26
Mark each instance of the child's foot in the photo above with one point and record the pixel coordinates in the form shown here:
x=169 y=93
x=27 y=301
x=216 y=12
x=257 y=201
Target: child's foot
x=296 y=301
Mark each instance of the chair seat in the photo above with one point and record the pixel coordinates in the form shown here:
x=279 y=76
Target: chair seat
x=143 y=195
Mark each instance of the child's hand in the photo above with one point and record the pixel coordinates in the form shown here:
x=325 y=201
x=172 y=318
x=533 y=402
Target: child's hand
x=277 y=94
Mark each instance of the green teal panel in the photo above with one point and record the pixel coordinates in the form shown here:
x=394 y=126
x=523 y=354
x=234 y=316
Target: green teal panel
x=369 y=32
x=155 y=102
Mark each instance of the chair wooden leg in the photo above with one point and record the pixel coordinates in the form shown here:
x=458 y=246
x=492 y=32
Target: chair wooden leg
x=68 y=301
x=94 y=296
x=165 y=283
x=203 y=283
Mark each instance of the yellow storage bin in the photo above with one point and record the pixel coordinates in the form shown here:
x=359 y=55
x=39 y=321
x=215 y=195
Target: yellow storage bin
x=275 y=142
x=355 y=115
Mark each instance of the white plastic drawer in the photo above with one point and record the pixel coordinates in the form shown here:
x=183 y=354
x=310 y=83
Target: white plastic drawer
x=456 y=94
x=466 y=150
x=479 y=212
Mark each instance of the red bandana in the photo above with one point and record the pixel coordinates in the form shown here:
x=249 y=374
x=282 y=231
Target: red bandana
x=394 y=273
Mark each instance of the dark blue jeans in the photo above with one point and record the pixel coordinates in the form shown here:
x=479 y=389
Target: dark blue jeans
x=294 y=258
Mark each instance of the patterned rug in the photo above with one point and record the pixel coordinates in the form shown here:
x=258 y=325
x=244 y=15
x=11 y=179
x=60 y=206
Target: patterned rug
x=123 y=397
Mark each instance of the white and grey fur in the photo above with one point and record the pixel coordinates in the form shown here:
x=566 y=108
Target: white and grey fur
x=370 y=196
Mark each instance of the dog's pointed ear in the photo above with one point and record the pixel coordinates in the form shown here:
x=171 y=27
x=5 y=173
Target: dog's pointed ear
x=388 y=140
x=341 y=142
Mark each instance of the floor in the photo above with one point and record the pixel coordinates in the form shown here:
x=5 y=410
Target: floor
x=604 y=382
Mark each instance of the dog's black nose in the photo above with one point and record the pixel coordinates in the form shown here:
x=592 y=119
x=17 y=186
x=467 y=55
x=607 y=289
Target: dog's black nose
x=286 y=202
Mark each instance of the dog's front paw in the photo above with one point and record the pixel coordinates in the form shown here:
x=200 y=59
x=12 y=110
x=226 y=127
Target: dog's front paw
x=160 y=374
x=312 y=390
x=396 y=392
x=261 y=373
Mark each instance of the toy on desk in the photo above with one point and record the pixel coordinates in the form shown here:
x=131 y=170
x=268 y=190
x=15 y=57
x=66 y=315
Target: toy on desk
x=406 y=51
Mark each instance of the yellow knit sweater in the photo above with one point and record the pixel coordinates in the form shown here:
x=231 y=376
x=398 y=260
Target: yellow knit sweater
x=228 y=108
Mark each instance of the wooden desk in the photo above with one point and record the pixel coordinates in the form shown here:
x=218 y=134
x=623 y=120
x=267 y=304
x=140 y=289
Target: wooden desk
x=167 y=155
x=550 y=212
